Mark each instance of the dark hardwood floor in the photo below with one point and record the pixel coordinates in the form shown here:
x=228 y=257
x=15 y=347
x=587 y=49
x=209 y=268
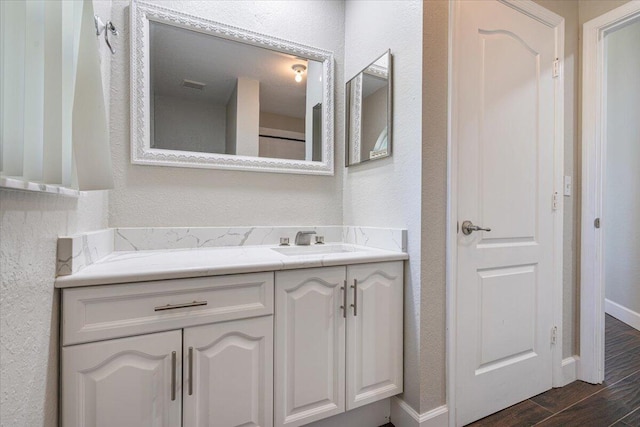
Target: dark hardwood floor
x=616 y=402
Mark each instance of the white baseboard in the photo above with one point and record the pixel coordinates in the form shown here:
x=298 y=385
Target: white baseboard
x=403 y=415
x=371 y=415
x=569 y=370
x=622 y=313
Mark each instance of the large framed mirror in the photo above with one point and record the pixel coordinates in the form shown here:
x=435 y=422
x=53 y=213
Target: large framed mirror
x=209 y=95
x=369 y=98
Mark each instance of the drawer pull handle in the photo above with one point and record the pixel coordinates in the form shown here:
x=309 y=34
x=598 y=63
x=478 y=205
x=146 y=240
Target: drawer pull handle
x=190 y=371
x=176 y=306
x=355 y=297
x=173 y=375
x=344 y=299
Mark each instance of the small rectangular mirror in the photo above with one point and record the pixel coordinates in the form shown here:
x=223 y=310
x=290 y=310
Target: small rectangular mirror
x=369 y=100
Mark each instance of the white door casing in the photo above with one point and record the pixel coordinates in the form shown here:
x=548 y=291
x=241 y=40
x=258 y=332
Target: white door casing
x=592 y=290
x=507 y=149
x=124 y=382
x=310 y=345
x=374 y=332
x=228 y=374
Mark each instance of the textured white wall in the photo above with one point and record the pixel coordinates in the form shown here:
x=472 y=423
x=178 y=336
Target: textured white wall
x=164 y=196
x=30 y=224
x=386 y=193
x=622 y=193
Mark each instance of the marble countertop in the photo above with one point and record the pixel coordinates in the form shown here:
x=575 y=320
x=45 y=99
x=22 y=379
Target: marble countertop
x=145 y=265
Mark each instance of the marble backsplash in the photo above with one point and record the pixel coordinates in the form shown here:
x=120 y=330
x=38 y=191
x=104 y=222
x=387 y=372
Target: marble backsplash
x=142 y=239
x=77 y=252
x=391 y=239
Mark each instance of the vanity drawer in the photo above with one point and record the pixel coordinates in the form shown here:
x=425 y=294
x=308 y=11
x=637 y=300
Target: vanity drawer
x=103 y=312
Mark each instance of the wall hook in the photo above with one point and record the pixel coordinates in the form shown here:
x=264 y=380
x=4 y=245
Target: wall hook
x=106 y=28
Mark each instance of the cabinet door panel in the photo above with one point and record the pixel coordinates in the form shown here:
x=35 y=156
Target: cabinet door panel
x=232 y=382
x=374 y=332
x=310 y=340
x=123 y=383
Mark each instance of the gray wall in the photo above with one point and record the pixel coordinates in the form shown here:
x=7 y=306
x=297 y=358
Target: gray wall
x=374 y=119
x=622 y=192
x=434 y=205
x=185 y=124
x=569 y=10
x=167 y=196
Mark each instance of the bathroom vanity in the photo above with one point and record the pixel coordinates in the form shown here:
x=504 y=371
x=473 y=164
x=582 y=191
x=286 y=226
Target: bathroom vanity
x=258 y=335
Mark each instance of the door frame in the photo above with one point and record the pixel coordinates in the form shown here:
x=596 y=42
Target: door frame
x=557 y=22
x=594 y=144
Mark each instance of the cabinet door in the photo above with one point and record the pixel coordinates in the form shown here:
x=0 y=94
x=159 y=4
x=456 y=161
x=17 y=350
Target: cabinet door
x=374 y=332
x=310 y=340
x=127 y=382
x=228 y=374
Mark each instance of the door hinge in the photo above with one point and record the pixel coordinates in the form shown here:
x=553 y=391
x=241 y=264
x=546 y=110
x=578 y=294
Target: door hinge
x=556 y=68
x=596 y=223
x=554 y=335
x=555 y=203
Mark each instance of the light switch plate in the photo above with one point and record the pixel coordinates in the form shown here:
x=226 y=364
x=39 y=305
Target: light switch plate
x=567 y=185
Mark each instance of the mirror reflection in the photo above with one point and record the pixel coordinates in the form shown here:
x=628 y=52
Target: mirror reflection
x=369 y=112
x=213 y=95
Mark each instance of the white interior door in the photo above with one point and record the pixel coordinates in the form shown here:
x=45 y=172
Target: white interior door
x=504 y=128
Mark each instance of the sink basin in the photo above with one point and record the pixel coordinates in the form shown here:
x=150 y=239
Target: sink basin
x=317 y=249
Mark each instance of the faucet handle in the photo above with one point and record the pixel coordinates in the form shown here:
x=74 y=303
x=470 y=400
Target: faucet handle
x=319 y=240
x=284 y=241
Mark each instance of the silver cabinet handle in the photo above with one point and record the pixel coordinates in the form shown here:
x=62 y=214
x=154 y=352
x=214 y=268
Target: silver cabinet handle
x=190 y=371
x=173 y=375
x=355 y=297
x=468 y=228
x=344 y=299
x=176 y=306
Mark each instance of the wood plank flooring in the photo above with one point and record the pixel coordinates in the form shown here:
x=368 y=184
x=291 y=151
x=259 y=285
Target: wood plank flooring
x=616 y=402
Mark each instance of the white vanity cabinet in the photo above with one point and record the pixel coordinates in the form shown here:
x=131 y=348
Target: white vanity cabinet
x=228 y=373
x=374 y=332
x=310 y=345
x=338 y=338
x=255 y=349
x=126 y=382
x=214 y=367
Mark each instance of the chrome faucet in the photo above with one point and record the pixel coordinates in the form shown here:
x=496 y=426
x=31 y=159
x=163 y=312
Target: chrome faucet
x=303 y=238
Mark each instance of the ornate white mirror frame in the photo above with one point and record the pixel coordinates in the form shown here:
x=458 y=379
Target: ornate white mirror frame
x=141 y=151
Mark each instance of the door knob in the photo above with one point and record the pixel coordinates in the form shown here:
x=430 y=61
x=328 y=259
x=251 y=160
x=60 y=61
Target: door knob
x=468 y=228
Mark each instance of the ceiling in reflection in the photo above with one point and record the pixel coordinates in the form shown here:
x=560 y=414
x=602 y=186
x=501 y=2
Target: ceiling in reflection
x=178 y=54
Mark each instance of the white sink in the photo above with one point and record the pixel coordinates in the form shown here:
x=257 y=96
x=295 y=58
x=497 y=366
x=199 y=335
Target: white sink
x=317 y=249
